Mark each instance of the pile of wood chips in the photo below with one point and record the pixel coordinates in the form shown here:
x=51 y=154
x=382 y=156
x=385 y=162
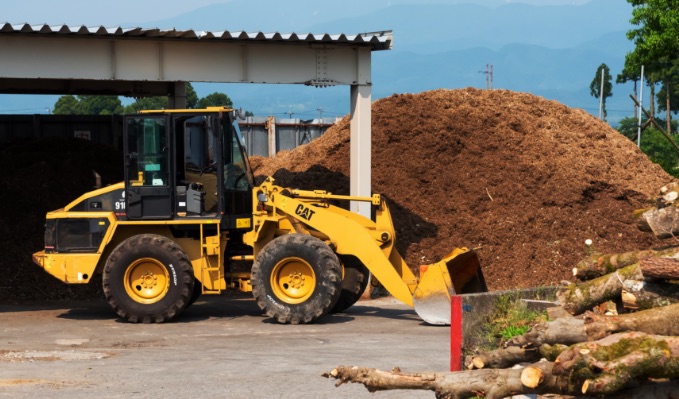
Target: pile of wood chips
x=526 y=179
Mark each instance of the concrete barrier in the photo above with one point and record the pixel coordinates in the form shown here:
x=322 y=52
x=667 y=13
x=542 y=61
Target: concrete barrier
x=470 y=311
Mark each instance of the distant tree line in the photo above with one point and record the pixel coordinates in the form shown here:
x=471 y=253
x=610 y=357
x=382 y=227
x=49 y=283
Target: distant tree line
x=656 y=46
x=111 y=105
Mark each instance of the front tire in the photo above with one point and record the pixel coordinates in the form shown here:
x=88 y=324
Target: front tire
x=296 y=279
x=354 y=283
x=148 y=278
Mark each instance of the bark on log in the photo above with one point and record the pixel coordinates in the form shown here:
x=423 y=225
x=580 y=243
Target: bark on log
x=658 y=321
x=567 y=331
x=503 y=358
x=662 y=268
x=640 y=295
x=612 y=363
x=578 y=298
x=598 y=265
x=489 y=383
x=662 y=222
x=551 y=352
x=660 y=390
x=571 y=330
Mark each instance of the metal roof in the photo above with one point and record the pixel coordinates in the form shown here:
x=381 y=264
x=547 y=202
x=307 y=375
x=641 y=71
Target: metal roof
x=375 y=40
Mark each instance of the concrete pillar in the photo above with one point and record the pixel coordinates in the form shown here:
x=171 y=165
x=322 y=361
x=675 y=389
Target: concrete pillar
x=361 y=135
x=271 y=131
x=177 y=99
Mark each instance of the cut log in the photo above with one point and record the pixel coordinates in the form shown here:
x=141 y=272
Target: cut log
x=578 y=298
x=571 y=330
x=488 y=383
x=658 y=321
x=537 y=378
x=662 y=268
x=662 y=222
x=503 y=358
x=599 y=265
x=641 y=295
x=551 y=352
x=566 y=330
x=612 y=363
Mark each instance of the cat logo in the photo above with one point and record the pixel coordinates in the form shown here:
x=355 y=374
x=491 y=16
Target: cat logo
x=304 y=212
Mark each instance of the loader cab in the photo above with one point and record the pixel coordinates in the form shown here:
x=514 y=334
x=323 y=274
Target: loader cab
x=187 y=164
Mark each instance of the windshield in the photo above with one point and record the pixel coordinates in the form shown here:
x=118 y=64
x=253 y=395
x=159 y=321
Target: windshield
x=237 y=173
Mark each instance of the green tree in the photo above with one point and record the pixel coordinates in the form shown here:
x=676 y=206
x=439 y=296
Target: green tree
x=595 y=86
x=144 y=103
x=215 y=100
x=88 y=105
x=67 y=105
x=161 y=102
x=191 y=96
x=654 y=144
x=100 y=105
x=656 y=42
x=660 y=151
x=657 y=34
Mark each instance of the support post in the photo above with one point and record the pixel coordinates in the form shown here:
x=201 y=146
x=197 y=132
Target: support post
x=271 y=132
x=177 y=99
x=456 y=338
x=361 y=135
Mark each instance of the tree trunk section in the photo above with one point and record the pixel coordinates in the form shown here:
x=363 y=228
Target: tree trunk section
x=612 y=363
x=658 y=321
x=662 y=222
x=599 y=265
x=566 y=330
x=640 y=295
x=489 y=383
x=503 y=358
x=662 y=268
x=578 y=298
x=571 y=330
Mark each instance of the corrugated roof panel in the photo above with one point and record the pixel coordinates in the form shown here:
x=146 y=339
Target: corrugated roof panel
x=377 y=40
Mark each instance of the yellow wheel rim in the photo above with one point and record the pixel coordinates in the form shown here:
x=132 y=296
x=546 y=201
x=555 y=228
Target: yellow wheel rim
x=146 y=280
x=293 y=280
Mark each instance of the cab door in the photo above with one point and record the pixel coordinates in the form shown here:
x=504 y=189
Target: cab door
x=148 y=172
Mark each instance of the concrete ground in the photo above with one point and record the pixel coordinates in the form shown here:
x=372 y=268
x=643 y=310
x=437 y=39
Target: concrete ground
x=221 y=347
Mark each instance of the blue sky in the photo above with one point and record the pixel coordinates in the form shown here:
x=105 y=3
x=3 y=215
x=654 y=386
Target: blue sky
x=123 y=12
x=95 y=12
x=438 y=45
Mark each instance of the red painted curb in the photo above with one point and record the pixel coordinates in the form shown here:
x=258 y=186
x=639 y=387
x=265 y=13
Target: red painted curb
x=455 y=333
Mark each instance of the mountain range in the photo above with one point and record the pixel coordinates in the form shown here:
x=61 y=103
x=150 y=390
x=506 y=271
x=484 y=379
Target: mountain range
x=550 y=48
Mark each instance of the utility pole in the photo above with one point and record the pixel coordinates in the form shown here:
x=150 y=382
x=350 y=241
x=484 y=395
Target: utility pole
x=489 y=76
x=641 y=103
x=601 y=96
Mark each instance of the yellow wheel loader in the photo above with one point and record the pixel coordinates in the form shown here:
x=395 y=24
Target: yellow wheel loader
x=188 y=220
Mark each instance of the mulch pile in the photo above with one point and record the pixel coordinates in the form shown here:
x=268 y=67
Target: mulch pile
x=526 y=179
x=38 y=176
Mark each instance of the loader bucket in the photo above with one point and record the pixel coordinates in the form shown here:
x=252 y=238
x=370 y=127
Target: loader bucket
x=457 y=273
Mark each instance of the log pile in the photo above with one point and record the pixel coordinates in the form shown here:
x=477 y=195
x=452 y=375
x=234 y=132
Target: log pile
x=627 y=350
x=634 y=355
x=619 y=337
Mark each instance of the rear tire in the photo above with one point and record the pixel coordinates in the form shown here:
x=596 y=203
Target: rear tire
x=197 y=292
x=354 y=283
x=148 y=278
x=296 y=279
